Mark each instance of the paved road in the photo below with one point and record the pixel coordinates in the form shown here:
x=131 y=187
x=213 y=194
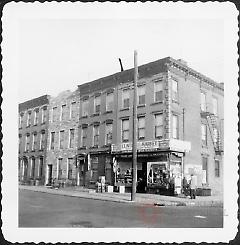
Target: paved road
x=46 y=210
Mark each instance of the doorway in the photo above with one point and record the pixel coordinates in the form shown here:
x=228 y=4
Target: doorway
x=49 y=175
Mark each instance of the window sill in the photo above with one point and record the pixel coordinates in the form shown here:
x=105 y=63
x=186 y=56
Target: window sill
x=108 y=112
x=142 y=105
x=125 y=109
x=157 y=102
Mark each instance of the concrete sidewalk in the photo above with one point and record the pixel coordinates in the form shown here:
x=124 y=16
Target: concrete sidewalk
x=141 y=198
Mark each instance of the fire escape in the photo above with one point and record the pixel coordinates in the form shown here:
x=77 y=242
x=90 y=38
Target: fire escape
x=214 y=129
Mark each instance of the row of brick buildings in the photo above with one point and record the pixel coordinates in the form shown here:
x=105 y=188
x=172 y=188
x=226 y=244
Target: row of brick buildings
x=78 y=136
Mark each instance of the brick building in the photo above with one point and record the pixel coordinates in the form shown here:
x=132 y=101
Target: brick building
x=33 y=123
x=180 y=126
x=62 y=138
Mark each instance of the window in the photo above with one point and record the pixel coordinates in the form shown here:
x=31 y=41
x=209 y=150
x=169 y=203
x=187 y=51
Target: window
x=217 y=168
x=54 y=114
x=20 y=120
x=44 y=115
x=73 y=111
x=85 y=108
x=19 y=142
x=125 y=130
x=204 y=134
x=158 y=91
x=60 y=168
x=158 y=126
x=40 y=173
x=64 y=112
x=108 y=133
x=42 y=140
x=205 y=169
x=27 y=143
x=215 y=106
x=61 y=139
x=141 y=128
x=36 y=114
x=125 y=98
x=174 y=90
x=109 y=102
x=84 y=136
x=175 y=127
x=141 y=95
x=29 y=119
x=52 y=140
x=71 y=138
x=96 y=135
x=97 y=104
x=34 y=142
x=33 y=167
x=215 y=135
x=203 y=101
x=70 y=168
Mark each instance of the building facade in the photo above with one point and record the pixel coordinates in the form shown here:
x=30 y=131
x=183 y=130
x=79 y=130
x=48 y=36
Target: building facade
x=179 y=129
x=33 y=124
x=63 y=138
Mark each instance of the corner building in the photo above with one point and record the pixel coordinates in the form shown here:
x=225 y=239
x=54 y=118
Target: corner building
x=179 y=129
x=33 y=125
x=62 y=139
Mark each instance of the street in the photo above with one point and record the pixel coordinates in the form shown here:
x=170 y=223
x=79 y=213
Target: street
x=46 y=210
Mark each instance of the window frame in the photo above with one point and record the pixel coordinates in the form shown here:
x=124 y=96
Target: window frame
x=52 y=140
x=203 y=106
x=175 y=130
x=83 y=136
x=71 y=140
x=158 y=91
x=85 y=107
x=142 y=96
x=97 y=107
x=109 y=103
x=204 y=134
x=124 y=92
x=107 y=141
x=123 y=131
x=61 y=139
x=158 y=126
x=142 y=128
x=175 y=94
x=96 y=134
x=63 y=115
x=73 y=112
x=216 y=168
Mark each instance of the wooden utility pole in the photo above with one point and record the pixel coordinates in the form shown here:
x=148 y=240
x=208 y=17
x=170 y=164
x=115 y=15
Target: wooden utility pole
x=134 y=135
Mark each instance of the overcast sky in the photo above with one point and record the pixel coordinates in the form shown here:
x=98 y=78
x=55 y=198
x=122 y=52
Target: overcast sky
x=55 y=54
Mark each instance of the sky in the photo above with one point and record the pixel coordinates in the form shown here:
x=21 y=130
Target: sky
x=56 y=54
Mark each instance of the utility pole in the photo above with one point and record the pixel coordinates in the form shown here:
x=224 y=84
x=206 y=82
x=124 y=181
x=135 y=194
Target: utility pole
x=134 y=135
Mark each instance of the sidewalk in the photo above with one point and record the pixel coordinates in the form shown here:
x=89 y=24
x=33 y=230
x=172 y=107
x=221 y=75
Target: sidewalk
x=141 y=198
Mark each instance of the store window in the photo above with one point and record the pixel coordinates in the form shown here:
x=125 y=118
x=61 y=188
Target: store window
x=159 y=126
x=97 y=104
x=71 y=138
x=204 y=134
x=141 y=95
x=109 y=127
x=95 y=135
x=125 y=99
x=175 y=131
x=60 y=168
x=84 y=136
x=109 y=102
x=61 y=139
x=203 y=101
x=174 y=90
x=84 y=108
x=125 y=130
x=52 y=140
x=215 y=106
x=217 y=168
x=158 y=91
x=141 y=128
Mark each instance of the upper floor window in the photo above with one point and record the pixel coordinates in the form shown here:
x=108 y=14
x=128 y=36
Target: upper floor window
x=84 y=137
x=125 y=130
x=108 y=137
x=27 y=142
x=96 y=135
x=158 y=91
x=61 y=139
x=215 y=135
x=42 y=140
x=84 y=108
x=36 y=114
x=73 y=110
x=141 y=128
x=71 y=138
x=158 y=126
x=54 y=114
x=125 y=98
x=204 y=134
x=217 y=168
x=19 y=142
x=64 y=112
x=141 y=95
x=174 y=90
x=97 y=104
x=175 y=130
x=203 y=101
x=34 y=142
x=28 y=118
x=21 y=120
x=52 y=140
x=109 y=102
x=44 y=115
x=215 y=106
